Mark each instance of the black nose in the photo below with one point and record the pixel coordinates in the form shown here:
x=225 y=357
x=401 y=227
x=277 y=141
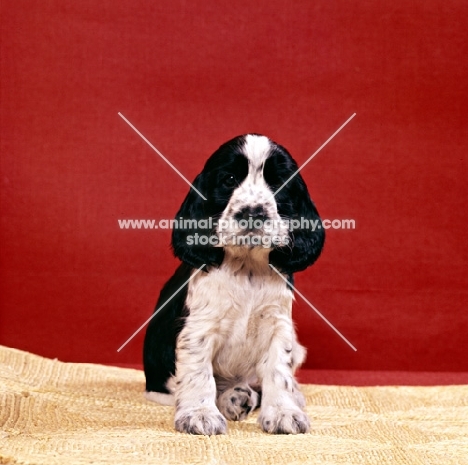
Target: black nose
x=253 y=213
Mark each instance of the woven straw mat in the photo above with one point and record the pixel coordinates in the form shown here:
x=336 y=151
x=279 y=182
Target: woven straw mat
x=69 y=413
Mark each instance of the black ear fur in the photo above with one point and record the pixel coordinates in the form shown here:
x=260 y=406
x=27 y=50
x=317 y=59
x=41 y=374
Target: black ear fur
x=196 y=208
x=305 y=243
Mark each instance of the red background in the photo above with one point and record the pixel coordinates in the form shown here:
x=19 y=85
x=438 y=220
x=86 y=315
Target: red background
x=190 y=75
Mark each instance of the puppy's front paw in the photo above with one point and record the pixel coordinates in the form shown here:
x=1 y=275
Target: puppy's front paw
x=279 y=420
x=237 y=402
x=205 y=420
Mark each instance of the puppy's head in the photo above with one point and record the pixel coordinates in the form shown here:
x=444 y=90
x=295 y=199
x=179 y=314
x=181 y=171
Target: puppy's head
x=240 y=181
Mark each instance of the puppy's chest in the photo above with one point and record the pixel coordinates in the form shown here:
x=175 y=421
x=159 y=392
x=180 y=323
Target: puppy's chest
x=234 y=303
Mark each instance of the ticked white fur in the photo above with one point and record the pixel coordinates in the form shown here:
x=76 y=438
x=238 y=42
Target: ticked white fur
x=240 y=333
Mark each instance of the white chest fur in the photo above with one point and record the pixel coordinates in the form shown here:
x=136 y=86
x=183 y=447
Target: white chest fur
x=235 y=308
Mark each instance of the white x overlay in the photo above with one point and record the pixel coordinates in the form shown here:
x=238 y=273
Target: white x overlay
x=317 y=151
x=160 y=308
x=204 y=198
x=162 y=156
x=313 y=307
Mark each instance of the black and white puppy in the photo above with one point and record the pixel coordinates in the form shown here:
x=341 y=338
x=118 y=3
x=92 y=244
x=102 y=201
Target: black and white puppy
x=225 y=339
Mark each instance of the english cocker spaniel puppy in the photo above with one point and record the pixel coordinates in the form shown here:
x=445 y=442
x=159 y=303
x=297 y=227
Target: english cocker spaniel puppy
x=222 y=342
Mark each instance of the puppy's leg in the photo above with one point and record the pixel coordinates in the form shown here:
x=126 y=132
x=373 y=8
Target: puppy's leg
x=196 y=411
x=236 y=399
x=282 y=402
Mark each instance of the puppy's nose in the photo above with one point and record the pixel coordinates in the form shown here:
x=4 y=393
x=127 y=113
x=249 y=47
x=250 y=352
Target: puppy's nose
x=255 y=213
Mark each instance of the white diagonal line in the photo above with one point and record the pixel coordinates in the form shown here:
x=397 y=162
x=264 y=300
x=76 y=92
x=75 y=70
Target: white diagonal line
x=159 y=309
x=317 y=151
x=314 y=309
x=162 y=156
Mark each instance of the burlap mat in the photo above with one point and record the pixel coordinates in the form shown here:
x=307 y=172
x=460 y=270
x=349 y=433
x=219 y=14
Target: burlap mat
x=65 y=413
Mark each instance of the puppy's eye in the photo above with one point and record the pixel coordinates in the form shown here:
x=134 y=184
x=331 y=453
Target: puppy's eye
x=229 y=180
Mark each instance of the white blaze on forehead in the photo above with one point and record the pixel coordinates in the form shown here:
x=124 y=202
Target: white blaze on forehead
x=256 y=149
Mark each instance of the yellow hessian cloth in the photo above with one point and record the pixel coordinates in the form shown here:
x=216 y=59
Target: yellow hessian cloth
x=69 y=413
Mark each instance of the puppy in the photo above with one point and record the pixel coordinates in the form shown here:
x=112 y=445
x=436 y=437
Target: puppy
x=222 y=342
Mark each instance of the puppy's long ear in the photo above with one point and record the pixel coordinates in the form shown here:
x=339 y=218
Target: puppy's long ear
x=190 y=240
x=307 y=237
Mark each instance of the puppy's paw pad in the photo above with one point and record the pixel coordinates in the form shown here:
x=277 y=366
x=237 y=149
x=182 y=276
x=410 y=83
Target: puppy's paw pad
x=237 y=402
x=284 y=421
x=205 y=421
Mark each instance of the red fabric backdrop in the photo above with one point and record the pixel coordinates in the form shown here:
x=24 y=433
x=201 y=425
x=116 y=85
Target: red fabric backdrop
x=191 y=75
